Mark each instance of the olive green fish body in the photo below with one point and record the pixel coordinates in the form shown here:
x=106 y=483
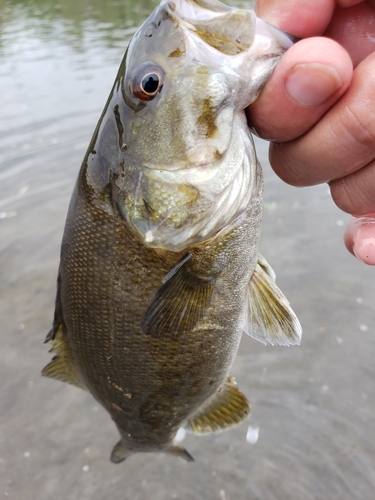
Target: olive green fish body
x=150 y=385
x=159 y=272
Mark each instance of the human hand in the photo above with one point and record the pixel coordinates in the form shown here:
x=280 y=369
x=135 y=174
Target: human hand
x=319 y=113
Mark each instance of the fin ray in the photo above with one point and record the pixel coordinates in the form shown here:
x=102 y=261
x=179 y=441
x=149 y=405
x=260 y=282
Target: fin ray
x=227 y=408
x=181 y=452
x=120 y=453
x=179 y=304
x=268 y=315
x=61 y=368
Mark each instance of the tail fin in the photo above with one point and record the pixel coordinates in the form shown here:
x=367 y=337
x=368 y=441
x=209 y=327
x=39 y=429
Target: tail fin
x=120 y=453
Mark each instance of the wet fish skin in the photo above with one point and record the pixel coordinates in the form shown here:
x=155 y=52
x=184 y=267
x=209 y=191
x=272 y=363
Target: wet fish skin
x=151 y=303
x=108 y=278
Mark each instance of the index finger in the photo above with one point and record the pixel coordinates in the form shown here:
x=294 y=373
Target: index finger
x=309 y=78
x=301 y=18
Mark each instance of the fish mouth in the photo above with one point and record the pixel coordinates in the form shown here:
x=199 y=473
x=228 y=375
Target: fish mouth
x=234 y=41
x=197 y=9
x=198 y=12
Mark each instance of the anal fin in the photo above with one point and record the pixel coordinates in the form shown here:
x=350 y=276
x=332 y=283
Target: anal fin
x=227 y=408
x=61 y=366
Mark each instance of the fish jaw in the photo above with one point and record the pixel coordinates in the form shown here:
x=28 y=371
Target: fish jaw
x=243 y=45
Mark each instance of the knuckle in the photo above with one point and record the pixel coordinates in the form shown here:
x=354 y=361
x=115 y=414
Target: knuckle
x=341 y=195
x=353 y=194
x=360 y=124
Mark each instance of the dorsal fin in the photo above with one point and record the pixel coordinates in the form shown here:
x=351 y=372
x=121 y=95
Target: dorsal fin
x=61 y=367
x=268 y=315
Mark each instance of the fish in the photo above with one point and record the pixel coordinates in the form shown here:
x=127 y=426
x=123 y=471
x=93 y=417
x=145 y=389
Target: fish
x=160 y=273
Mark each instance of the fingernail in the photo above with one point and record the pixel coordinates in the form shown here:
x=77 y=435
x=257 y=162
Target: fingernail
x=364 y=240
x=312 y=84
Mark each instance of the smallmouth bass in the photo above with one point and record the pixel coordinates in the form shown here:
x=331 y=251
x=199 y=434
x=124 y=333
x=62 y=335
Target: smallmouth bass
x=159 y=271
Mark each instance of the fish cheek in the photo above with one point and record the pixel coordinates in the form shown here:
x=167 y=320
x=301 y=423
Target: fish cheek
x=177 y=52
x=156 y=137
x=207 y=119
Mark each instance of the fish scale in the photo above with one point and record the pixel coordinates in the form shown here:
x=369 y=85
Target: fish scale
x=113 y=326
x=103 y=334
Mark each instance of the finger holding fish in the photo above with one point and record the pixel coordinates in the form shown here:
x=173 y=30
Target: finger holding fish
x=302 y=18
x=311 y=77
x=331 y=144
x=340 y=144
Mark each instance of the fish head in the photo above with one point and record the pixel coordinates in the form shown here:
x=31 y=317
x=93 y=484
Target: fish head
x=190 y=71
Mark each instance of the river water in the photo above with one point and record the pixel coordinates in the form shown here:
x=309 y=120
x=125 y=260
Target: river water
x=311 y=432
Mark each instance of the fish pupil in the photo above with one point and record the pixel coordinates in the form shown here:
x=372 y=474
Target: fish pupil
x=150 y=83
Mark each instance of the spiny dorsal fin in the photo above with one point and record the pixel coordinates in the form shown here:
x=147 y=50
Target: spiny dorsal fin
x=179 y=304
x=61 y=367
x=57 y=317
x=227 y=408
x=268 y=315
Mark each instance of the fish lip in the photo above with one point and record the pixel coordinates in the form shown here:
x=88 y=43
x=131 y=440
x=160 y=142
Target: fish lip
x=199 y=9
x=282 y=39
x=187 y=10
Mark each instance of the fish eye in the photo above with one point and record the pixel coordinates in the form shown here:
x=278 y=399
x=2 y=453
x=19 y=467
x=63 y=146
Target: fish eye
x=147 y=83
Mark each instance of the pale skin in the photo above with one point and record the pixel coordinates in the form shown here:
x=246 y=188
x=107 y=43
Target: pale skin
x=318 y=108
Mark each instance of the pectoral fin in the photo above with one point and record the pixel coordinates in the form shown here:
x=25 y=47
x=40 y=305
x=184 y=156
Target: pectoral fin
x=268 y=316
x=227 y=408
x=179 y=304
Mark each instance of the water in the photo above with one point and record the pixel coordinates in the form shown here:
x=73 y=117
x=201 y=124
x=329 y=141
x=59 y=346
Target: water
x=313 y=405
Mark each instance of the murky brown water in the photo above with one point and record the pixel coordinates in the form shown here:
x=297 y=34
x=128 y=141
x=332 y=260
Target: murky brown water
x=314 y=405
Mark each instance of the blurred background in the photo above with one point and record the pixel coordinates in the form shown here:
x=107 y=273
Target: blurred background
x=311 y=431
